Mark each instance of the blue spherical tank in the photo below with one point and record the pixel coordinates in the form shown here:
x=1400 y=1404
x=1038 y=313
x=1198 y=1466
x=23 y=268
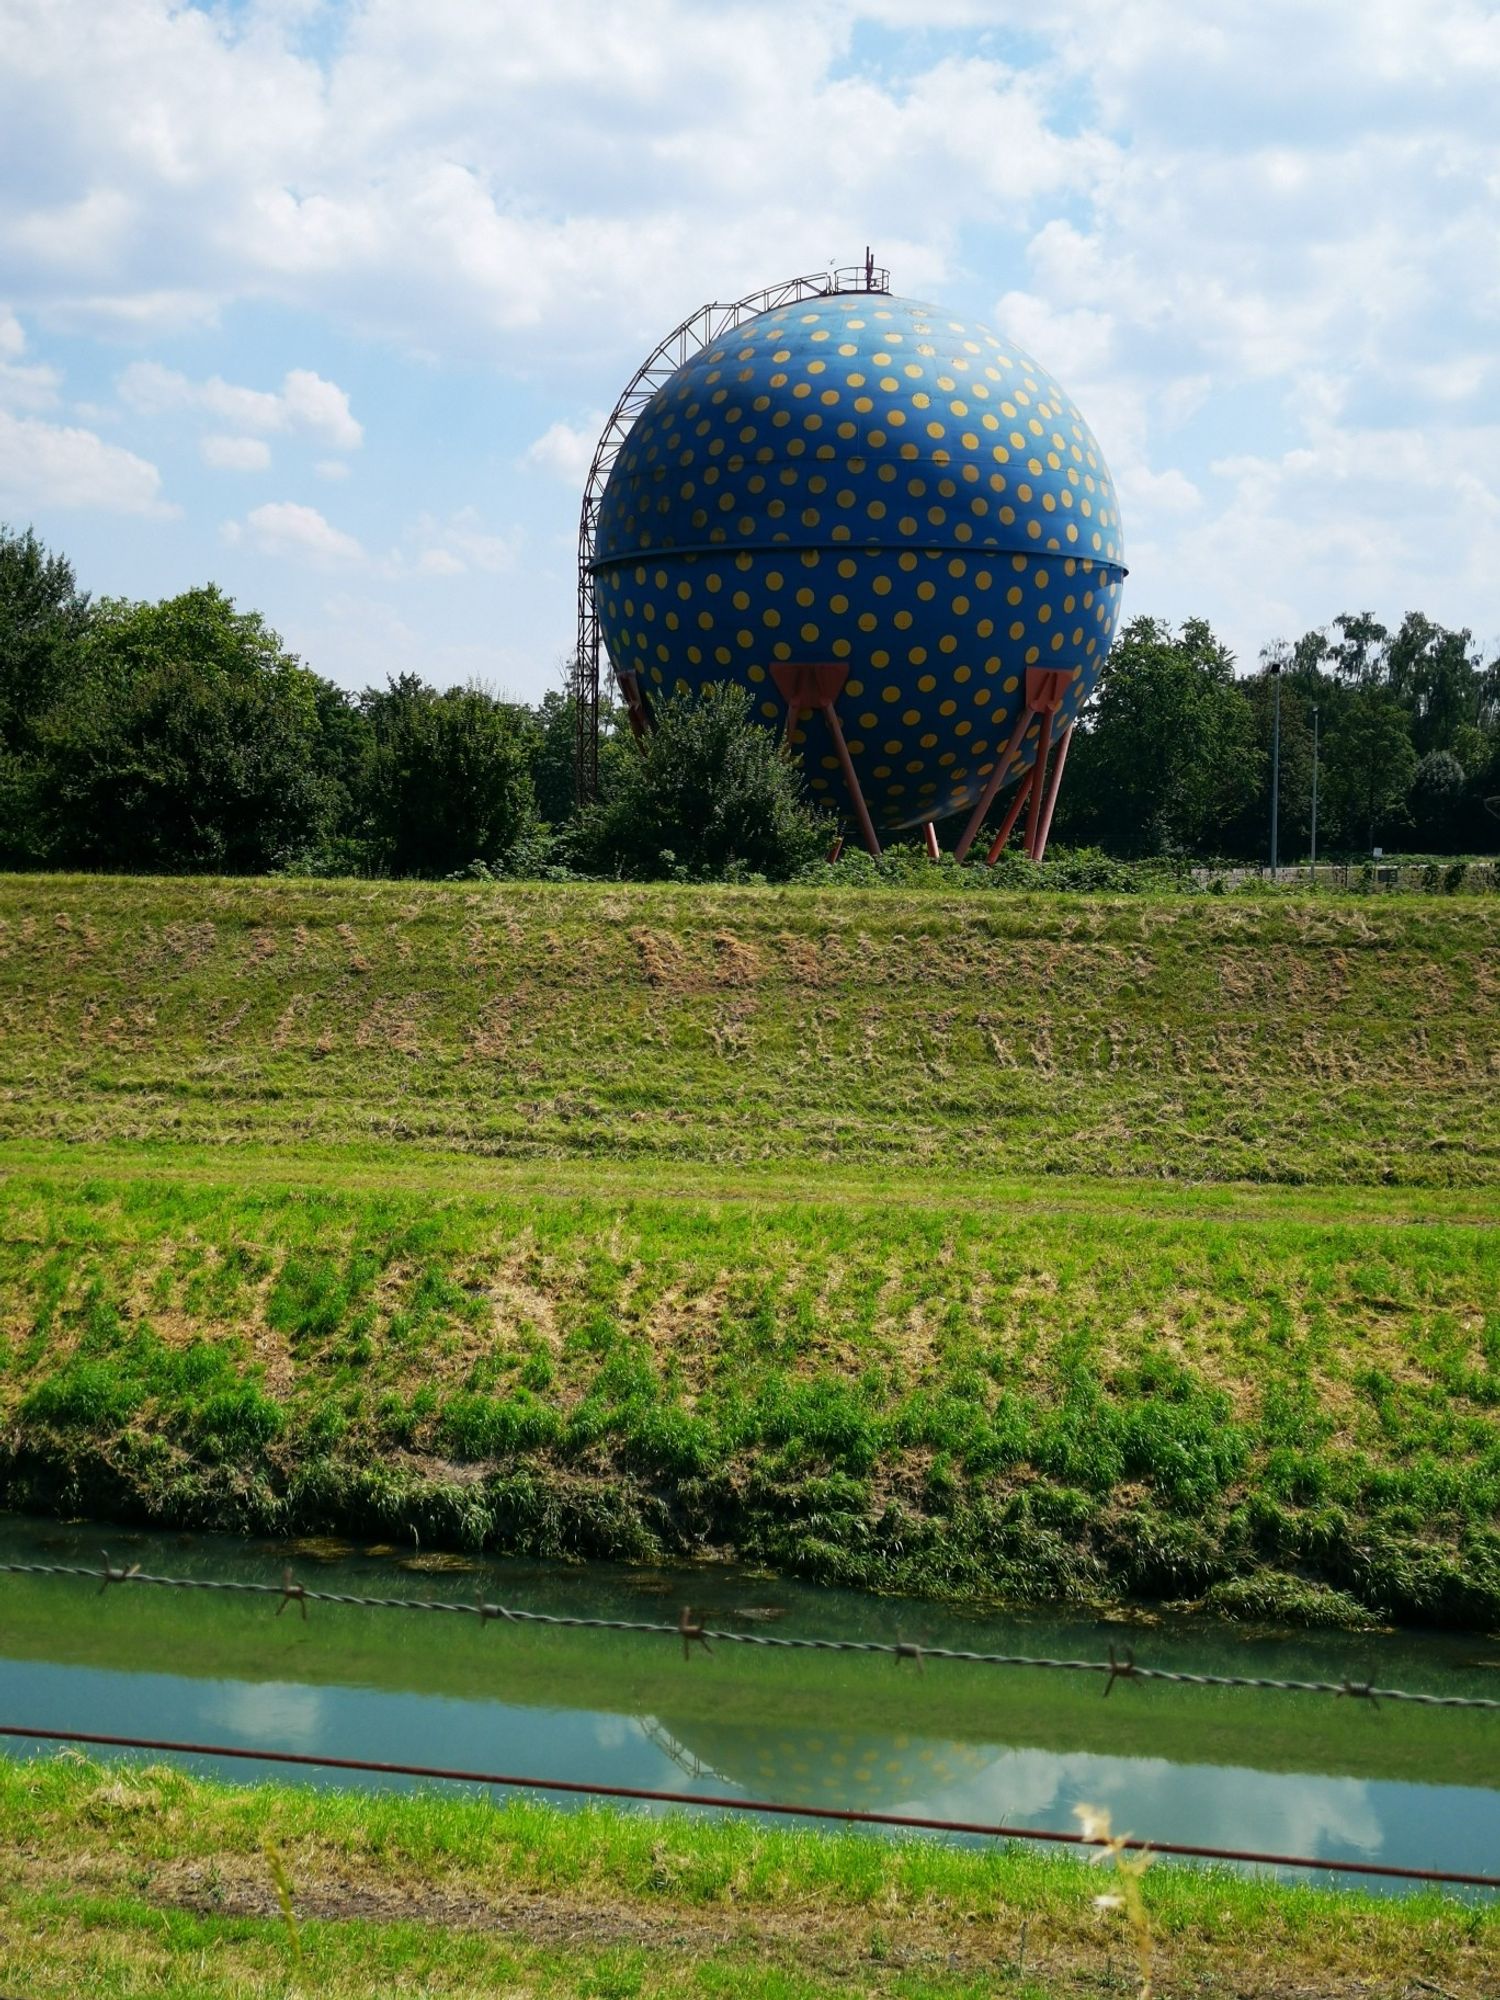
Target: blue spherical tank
x=868 y=481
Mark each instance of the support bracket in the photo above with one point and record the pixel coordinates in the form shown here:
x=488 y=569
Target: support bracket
x=818 y=685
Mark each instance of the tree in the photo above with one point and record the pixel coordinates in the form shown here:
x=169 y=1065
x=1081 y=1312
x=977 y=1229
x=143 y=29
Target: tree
x=552 y=763
x=43 y=616
x=449 y=777
x=1436 y=802
x=186 y=738
x=1358 y=654
x=1371 y=764
x=714 y=792
x=1437 y=678
x=1168 y=758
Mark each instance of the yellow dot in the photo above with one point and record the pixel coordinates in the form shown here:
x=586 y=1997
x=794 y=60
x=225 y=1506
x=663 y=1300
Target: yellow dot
x=926 y=684
x=890 y=694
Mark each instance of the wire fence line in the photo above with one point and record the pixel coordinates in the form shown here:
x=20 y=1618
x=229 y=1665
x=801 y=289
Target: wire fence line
x=692 y=1633
x=781 y=1808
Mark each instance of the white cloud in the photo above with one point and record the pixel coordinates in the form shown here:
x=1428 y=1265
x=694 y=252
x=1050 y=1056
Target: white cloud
x=565 y=450
x=54 y=465
x=235 y=454
x=305 y=403
x=286 y=528
x=1189 y=213
x=452 y=548
x=331 y=468
x=24 y=385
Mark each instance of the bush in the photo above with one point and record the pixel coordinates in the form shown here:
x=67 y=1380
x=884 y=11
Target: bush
x=237 y=1422
x=90 y=1395
x=714 y=796
x=474 y=1427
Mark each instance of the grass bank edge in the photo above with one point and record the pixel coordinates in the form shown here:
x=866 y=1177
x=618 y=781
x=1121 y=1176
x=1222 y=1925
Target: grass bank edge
x=166 y=1827
x=639 y=1379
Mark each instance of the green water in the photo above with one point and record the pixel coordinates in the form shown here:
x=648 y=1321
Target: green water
x=1310 y=1775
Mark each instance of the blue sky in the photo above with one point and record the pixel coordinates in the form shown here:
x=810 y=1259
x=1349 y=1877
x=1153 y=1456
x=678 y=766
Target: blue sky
x=326 y=302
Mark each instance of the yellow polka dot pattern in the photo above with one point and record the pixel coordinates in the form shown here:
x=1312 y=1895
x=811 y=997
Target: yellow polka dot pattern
x=866 y=480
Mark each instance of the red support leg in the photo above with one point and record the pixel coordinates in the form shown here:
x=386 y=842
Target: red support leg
x=1051 y=800
x=998 y=843
x=992 y=785
x=846 y=764
x=1038 y=785
x=635 y=706
x=819 y=685
x=934 y=852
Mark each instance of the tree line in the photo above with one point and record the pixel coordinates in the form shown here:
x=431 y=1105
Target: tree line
x=183 y=736
x=1176 y=755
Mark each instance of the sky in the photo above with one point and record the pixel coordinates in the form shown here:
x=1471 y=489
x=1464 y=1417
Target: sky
x=326 y=303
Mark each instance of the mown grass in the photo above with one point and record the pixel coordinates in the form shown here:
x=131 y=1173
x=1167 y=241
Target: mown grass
x=125 y=1883
x=1280 y=1418
x=1297 y=1041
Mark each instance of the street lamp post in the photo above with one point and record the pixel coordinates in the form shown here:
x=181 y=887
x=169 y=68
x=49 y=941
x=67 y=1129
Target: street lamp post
x=1315 y=800
x=1275 y=766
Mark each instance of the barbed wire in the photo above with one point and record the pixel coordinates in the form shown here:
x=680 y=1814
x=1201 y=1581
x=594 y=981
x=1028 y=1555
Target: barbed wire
x=691 y=1632
x=850 y=1815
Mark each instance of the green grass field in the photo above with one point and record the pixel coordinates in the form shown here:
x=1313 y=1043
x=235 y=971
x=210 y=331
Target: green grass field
x=1058 y=1247
x=124 y=1884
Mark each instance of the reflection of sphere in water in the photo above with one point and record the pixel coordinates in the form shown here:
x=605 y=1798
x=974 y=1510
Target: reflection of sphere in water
x=820 y=1766
x=869 y=484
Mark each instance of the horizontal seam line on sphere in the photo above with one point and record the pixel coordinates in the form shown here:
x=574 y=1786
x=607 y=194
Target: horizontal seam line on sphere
x=602 y=563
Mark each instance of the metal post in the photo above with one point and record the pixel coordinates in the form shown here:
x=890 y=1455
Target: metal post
x=1275 y=765
x=1315 y=800
x=934 y=852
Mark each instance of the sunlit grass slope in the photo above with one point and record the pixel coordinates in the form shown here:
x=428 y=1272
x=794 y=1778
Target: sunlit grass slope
x=1320 y=1040
x=1061 y=1247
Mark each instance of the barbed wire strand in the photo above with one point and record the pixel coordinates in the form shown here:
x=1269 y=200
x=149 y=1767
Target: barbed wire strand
x=849 y=1814
x=693 y=1632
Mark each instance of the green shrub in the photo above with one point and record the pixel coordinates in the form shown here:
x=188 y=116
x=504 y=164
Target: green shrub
x=474 y=1427
x=238 y=1422
x=89 y=1395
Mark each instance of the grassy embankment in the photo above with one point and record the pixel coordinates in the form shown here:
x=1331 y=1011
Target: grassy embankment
x=1064 y=1247
x=129 y=1883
